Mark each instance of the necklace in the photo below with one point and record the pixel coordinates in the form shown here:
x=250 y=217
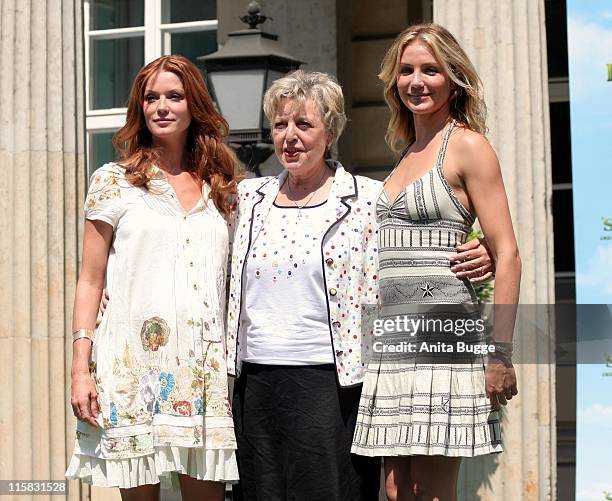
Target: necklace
x=300 y=207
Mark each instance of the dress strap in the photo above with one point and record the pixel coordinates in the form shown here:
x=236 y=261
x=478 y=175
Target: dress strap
x=401 y=157
x=444 y=144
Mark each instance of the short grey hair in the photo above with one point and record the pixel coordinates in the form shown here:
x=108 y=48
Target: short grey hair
x=302 y=86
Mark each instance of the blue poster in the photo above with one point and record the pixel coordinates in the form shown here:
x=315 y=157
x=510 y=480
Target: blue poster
x=590 y=79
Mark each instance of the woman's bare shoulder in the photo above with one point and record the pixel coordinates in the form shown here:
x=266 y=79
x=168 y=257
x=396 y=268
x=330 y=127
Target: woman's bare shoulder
x=472 y=150
x=469 y=139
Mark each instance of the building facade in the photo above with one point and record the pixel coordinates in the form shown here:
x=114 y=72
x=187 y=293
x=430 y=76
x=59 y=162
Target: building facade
x=68 y=67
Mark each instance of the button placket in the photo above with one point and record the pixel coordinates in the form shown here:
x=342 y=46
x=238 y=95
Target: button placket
x=188 y=249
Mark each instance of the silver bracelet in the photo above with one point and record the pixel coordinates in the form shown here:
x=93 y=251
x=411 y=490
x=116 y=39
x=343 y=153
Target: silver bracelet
x=503 y=352
x=84 y=333
x=504 y=349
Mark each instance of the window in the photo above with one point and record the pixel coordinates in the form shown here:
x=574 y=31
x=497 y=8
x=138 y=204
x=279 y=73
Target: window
x=120 y=37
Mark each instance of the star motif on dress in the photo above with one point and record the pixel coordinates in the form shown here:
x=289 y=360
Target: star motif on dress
x=428 y=289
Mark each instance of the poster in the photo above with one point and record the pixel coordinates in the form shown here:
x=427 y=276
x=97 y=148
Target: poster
x=590 y=80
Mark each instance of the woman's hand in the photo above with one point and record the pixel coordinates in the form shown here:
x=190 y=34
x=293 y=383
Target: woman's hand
x=103 y=305
x=84 y=398
x=474 y=261
x=500 y=382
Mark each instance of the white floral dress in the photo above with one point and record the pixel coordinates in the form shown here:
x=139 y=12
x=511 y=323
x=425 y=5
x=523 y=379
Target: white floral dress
x=158 y=360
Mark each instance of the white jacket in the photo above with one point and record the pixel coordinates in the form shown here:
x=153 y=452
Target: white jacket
x=349 y=260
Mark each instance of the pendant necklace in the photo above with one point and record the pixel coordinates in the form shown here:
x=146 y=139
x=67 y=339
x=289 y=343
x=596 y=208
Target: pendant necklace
x=305 y=204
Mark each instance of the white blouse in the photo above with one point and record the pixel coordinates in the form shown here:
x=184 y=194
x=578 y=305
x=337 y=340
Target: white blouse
x=284 y=308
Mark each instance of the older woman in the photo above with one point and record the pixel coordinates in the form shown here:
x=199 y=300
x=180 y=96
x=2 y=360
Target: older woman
x=304 y=266
x=304 y=263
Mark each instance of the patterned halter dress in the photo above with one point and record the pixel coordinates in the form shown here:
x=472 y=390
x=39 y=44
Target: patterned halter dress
x=425 y=402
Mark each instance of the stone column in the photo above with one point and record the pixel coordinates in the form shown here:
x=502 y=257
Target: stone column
x=506 y=41
x=41 y=193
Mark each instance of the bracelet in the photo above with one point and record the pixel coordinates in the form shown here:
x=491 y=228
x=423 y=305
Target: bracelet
x=82 y=333
x=503 y=353
x=503 y=349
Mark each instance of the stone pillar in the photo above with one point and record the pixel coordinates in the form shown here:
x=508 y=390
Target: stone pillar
x=41 y=193
x=506 y=41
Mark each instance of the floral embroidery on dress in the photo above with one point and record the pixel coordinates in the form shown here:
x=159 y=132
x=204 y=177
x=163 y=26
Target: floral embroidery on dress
x=104 y=186
x=93 y=371
x=200 y=379
x=203 y=323
x=199 y=406
x=167 y=384
x=197 y=435
x=112 y=420
x=126 y=446
x=182 y=407
x=154 y=333
x=149 y=390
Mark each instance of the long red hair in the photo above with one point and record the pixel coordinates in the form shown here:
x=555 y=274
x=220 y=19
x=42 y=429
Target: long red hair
x=207 y=156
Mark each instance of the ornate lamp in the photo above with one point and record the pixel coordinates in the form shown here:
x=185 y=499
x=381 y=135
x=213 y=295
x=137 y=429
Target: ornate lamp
x=238 y=76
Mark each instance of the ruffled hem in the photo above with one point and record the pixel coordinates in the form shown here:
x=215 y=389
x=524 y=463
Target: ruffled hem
x=160 y=467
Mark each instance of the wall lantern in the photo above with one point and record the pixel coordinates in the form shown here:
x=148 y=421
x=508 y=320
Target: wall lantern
x=238 y=75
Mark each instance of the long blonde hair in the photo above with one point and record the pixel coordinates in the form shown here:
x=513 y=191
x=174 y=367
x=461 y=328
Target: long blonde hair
x=467 y=104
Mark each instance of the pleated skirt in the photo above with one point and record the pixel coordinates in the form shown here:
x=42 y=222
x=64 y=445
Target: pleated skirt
x=426 y=409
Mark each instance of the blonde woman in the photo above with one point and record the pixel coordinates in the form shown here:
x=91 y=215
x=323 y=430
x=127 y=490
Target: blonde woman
x=424 y=417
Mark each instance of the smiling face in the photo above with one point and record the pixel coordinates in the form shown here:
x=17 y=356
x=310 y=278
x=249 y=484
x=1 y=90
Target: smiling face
x=300 y=138
x=422 y=85
x=165 y=108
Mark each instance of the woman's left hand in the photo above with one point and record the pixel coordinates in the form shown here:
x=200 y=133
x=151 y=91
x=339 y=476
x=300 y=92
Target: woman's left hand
x=500 y=382
x=474 y=261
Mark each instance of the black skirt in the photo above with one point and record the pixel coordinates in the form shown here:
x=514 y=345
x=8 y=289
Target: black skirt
x=294 y=427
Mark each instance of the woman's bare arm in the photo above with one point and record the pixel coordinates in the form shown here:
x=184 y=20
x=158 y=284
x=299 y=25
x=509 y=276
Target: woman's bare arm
x=96 y=244
x=478 y=168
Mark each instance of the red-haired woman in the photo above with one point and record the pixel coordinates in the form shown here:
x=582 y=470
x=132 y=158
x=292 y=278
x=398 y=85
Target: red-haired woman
x=149 y=386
